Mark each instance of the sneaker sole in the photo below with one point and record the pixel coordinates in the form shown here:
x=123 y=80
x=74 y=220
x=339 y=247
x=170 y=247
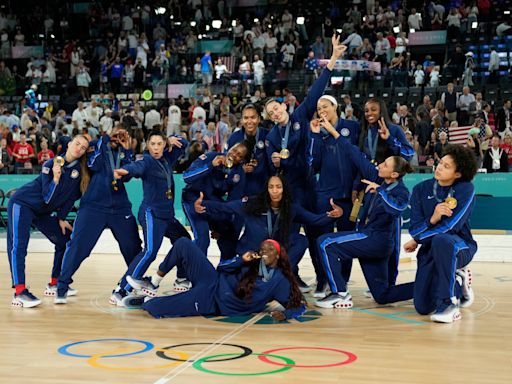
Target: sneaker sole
x=446 y=320
x=335 y=305
x=19 y=304
x=60 y=301
x=149 y=293
x=305 y=289
x=177 y=289
x=319 y=295
x=52 y=293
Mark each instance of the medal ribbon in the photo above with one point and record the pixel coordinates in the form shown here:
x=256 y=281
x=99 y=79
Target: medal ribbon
x=372 y=145
x=164 y=166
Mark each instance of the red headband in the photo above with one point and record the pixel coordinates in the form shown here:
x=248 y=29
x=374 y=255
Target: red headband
x=275 y=244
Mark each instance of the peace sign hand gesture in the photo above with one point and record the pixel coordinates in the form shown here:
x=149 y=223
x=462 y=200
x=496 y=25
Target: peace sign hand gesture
x=383 y=129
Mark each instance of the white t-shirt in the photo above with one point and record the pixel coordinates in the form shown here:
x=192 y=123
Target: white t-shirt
x=259 y=68
x=220 y=69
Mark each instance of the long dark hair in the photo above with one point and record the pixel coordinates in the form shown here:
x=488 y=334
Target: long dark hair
x=383 y=151
x=260 y=204
x=246 y=284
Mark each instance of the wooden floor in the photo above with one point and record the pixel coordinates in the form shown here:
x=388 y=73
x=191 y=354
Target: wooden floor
x=377 y=344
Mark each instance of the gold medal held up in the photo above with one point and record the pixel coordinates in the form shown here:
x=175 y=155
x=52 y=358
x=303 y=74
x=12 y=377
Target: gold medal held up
x=284 y=154
x=59 y=160
x=169 y=194
x=229 y=162
x=451 y=201
x=115 y=187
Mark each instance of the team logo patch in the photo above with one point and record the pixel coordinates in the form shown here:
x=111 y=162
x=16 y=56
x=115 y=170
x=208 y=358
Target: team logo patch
x=345 y=132
x=296 y=126
x=121 y=155
x=74 y=174
x=245 y=199
x=260 y=144
x=267 y=144
x=236 y=178
x=202 y=157
x=45 y=170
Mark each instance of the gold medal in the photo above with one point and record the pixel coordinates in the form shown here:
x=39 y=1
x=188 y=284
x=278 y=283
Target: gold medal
x=59 y=160
x=229 y=162
x=253 y=162
x=169 y=194
x=374 y=162
x=284 y=154
x=451 y=201
x=115 y=187
x=256 y=255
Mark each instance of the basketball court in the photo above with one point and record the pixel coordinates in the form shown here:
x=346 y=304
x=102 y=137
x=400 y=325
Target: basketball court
x=90 y=341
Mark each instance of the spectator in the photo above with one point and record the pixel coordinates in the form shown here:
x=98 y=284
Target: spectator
x=288 y=51
x=106 y=122
x=152 y=118
x=473 y=142
x=174 y=119
x=419 y=76
x=464 y=102
x=495 y=158
x=507 y=147
x=318 y=48
x=45 y=153
x=440 y=146
x=414 y=20
x=468 y=70
x=259 y=71
x=23 y=152
x=494 y=66
x=504 y=118
x=5 y=156
x=79 y=116
x=220 y=70
x=206 y=69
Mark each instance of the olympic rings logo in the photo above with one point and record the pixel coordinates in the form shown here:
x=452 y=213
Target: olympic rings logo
x=177 y=357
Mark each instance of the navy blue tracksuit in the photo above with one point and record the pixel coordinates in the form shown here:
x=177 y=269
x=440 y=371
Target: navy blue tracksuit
x=295 y=167
x=216 y=183
x=101 y=207
x=337 y=178
x=156 y=213
x=254 y=181
x=213 y=291
x=395 y=145
x=444 y=247
x=35 y=203
x=257 y=229
x=372 y=242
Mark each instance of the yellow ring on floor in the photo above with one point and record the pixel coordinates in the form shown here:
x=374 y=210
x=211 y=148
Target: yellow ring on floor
x=93 y=361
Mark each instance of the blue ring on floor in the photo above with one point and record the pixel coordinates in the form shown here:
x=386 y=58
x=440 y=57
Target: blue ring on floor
x=64 y=349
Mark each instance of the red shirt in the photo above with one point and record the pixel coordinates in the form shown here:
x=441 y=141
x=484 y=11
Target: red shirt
x=25 y=151
x=45 y=155
x=508 y=150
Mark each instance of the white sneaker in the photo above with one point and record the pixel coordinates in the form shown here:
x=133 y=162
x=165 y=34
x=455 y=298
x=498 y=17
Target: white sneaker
x=336 y=300
x=25 y=300
x=51 y=291
x=182 y=285
x=468 y=295
x=449 y=315
x=143 y=285
x=61 y=299
x=117 y=298
x=304 y=288
x=321 y=292
x=368 y=294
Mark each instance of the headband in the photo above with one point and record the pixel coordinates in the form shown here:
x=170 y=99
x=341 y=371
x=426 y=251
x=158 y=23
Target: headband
x=330 y=98
x=275 y=244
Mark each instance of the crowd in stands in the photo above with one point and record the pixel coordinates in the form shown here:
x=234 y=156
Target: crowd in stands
x=126 y=47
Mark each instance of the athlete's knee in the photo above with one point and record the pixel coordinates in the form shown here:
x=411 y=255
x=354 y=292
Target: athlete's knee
x=442 y=240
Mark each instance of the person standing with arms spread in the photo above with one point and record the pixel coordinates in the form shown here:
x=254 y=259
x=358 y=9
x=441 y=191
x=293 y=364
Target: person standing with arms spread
x=104 y=205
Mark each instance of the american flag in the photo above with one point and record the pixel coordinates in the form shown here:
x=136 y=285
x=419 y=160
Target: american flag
x=230 y=62
x=458 y=135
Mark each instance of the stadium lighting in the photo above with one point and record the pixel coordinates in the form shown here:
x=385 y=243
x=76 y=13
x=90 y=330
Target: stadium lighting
x=41 y=35
x=193 y=23
x=200 y=37
x=256 y=20
x=270 y=26
x=216 y=24
x=474 y=25
x=160 y=11
x=177 y=23
x=396 y=29
x=171 y=17
x=207 y=27
x=52 y=36
x=300 y=20
x=339 y=30
x=233 y=23
x=412 y=30
x=506 y=12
